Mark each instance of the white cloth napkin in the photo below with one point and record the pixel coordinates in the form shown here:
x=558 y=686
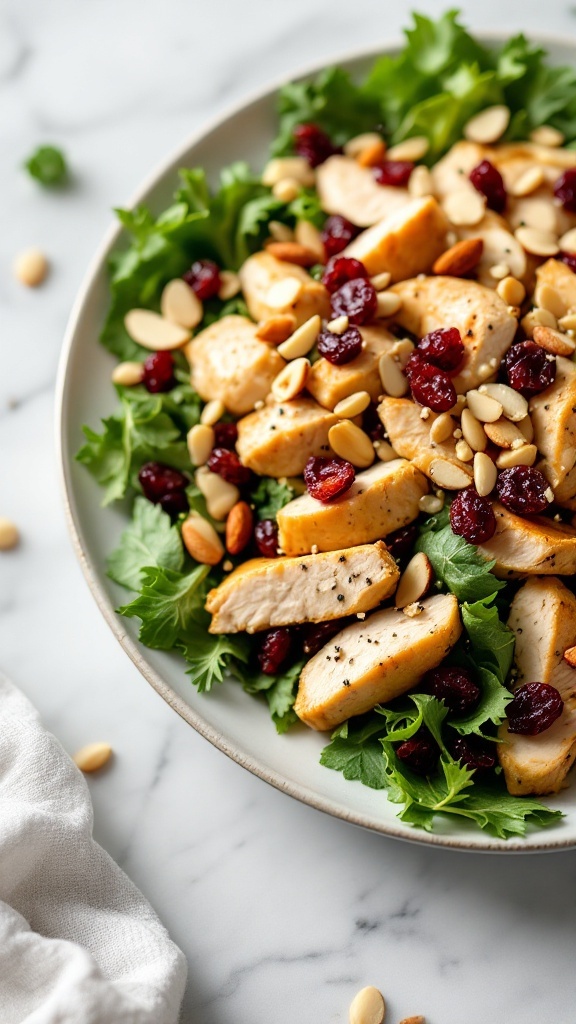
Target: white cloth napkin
x=79 y=944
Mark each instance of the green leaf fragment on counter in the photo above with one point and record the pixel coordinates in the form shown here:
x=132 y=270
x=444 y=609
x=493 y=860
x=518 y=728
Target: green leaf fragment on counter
x=150 y=540
x=47 y=165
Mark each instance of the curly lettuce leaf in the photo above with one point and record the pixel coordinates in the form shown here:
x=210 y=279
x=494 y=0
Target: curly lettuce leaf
x=149 y=540
x=456 y=563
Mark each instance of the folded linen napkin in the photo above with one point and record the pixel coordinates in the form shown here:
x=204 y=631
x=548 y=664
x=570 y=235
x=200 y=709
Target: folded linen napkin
x=79 y=944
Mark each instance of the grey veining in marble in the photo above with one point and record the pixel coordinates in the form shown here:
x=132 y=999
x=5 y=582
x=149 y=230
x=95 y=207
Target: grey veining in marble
x=283 y=913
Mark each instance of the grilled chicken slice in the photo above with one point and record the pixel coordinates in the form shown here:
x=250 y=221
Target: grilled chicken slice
x=452 y=172
x=500 y=247
x=543 y=617
x=410 y=436
x=530 y=547
x=261 y=271
x=405 y=243
x=553 y=414
x=381 y=499
x=352 y=191
x=230 y=363
x=483 y=319
x=278 y=440
x=268 y=592
x=329 y=384
x=373 y=662
x=561 y=279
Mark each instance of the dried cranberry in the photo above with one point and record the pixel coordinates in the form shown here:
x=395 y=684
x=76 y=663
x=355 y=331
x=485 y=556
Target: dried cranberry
x=158 y=480
x=530 y=368
x=472 y=516
x=371 y=422
x=443 y=348
x=266 y=537
x=159 y=372
x=565 y=189
x=316 y=634
x=455 y=687
x=311 y=142
x=327 y=479
x=175 y=503
x=341 y=269
x=488 y=180
x=228 y=466
x=204 y=279
x=340 y=348
x=393 y=172
x=432 y=387
x=274 y=649
x=522 y=490
x=401 y=542
x=337 y=233
x=356 y=299
x=415 y=363
x=534 y=708
x=568 y=258
x=419 y=753
x=473 y=753
x=225 y=435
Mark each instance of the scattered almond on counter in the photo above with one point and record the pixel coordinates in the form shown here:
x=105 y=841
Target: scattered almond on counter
x=9 y=535
x=367 y=1007
x=93 y=756
x=31 y=267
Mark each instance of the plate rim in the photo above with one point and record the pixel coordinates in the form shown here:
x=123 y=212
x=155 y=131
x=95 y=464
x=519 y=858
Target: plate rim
x=74 y=525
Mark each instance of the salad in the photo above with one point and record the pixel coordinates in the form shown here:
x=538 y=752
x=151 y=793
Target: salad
x=347 y=425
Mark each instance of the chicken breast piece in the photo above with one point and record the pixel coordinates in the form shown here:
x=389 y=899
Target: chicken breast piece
x=485 y=324
x=352 y=191
x=561 y=279
x=405 y=243
x=530 y=547
x=373 y=662
x=500 y=247
x=329 y=383
x=553 y=414
x=278 y=440
x=409 y=435
x=268 y=592
x=262 y=271
x=229 y=362
x=381 y=499
x=452 y=172
x=543 y=617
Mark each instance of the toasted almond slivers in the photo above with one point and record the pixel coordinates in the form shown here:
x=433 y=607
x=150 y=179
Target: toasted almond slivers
x=291 y=380
x=464 y=451
x=388 y=303
x=338 y=325
x=412 y=149
x=385 y=451
x=499 y=271
x=302 y=339
x=549 y=298
x=356 y=145
x=442 y=428
x=527 y=428
x=9 y=535
x=373 y=154
x=238 y=528
x=524 y=456
x=31 y=267
x=353 y=405
x=528 y=182
x=511 y=291
x=201 y=540
x=489 y=125
x=431 y=504
x=128 y=374
x=538 y=316
x=447 y=474
x=283 y=293
x=483 y=407
x=307 y=235
x=421 y=182
x=473 y=431
x=568 y=322
x=220 y=495
x=485 y=474
x=292 y=252
x=381 y=281
x=538 y=243
x=212 y=412
x=504 y=433
x=394 y=382
x=180 y=304
x=568 y=241
x=464 y=207
x=93 y=756
x=155 y=332
x=546 y=135
x=351 y=443
x=367 y=1007
x=460 y=258
x=415 y=581
x=514 y=405
x=280 y=232
x=229 y=285
x=570 y=656
x=277 y=328
x=200 y=441
x=554 y=341
x=295 y=167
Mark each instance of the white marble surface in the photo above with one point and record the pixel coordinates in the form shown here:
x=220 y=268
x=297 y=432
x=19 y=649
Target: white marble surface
x=283 y=913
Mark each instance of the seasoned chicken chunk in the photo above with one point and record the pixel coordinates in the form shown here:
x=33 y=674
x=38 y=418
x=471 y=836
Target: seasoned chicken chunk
x=499 y=247
x=553 y=414
x=262 y=272
x=373 y=662
x=405 y=243
x=329 y=384
x=483 y=319
x=381 y=499
x=352 y=191
x=452 y=172
x=410 y=436
x=278 y=440
x=543 y=617
x=229 y=362
x=530 y=547
x=268 y=592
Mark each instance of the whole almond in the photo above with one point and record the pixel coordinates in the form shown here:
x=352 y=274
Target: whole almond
x=238 y=528
x=292 y=252
x=93 y=756
x=554 y=341
x=460 y=259
x=201 y=540
x=276 y=329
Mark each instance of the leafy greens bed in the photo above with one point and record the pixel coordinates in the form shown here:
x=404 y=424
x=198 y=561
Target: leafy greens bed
x=439 y=80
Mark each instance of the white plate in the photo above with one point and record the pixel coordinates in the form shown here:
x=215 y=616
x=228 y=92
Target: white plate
x=233 y=721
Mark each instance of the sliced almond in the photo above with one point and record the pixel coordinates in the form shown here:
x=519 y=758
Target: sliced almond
x=229 y=285
x=489 y=125
x=276 y=329
x=238 y=528
x=93 y=756
x=473 y=431
x=485 y=474
x=534 y=212
x=381 y=281
x=538 y=316
x=387 y=304
x=527 y=428
x=568 y=241
x=555 y=342
x=447 y=474
x=412 y=149
x=511 y=291
x=180 y=304
x=442 y=428
x=295 y=167
x=546 y=135
x=514 y=405
x=353 y=405
x=538 y=243
x=385 y=451
x=505 y=434
x=546 y=297
x=421 y=183
x=460 y=259
x=367 y=1007
x=373 y=154
x=338 y=325
x=499 y=271
x=201 y=540
x=128 y=374
x=401 y=351
x=570 y=656
x=292 y=252
x=155 y=332
x=568 y=322
x=283 y=293
x=524 y=456
x=200 y=441
x=220 y=495
x=31 y=267
x=464 y=451
x=291 y=380
x=302 y=339
x=527 y=182
x=431 y=503
x=415 y=581
x=464 y=207
x=394 y=381
x=483 y=407
x=9 y=534
x=356 y=145
x=280 y=232
x=286 y=190
x=351 y=443
x=212 y=412
x=307 y=235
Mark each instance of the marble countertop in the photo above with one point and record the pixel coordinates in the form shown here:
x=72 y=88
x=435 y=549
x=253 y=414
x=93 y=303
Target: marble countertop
x=283 y=913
